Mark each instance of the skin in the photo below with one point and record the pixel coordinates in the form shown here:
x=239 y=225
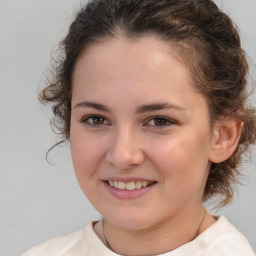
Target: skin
x=126 y=143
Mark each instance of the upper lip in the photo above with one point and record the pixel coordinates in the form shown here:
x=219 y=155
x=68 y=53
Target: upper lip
x=128 y=179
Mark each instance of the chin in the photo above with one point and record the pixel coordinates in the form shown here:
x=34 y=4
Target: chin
x=129 y=220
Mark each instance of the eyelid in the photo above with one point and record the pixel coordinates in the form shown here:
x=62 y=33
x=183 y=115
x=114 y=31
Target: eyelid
x=87 y=117
x=169 y=120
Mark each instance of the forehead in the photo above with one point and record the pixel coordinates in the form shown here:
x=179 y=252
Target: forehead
x=146 y=68
x=116 y=55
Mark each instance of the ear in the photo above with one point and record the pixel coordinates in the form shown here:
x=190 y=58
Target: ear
x=226 y=135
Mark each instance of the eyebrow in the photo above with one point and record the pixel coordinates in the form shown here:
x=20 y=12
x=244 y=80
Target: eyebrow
x=139 y=110
x=158 y=106
x=87 y=104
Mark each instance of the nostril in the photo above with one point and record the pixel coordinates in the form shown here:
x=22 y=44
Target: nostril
x=123 y=158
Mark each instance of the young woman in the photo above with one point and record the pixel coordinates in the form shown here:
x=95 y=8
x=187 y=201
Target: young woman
x=151 y=96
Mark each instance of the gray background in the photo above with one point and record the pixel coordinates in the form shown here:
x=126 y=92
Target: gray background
x=38 y=200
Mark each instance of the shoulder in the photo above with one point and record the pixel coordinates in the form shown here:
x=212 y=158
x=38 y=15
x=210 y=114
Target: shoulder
x=223 y=239
x=73 y=244
x=220 y=239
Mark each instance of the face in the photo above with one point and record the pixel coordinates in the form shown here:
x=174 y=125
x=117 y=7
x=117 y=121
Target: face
x=140 y=133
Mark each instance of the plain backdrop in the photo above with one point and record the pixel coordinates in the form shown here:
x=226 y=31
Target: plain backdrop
x=37 y=200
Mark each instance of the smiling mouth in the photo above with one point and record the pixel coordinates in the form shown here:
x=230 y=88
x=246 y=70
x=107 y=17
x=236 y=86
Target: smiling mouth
x=131 y=185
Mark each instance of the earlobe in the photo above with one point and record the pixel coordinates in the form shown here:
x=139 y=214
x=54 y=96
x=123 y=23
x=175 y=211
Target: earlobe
x=226 y=135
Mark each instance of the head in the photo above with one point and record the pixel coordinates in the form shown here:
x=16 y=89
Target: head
x=200 y=36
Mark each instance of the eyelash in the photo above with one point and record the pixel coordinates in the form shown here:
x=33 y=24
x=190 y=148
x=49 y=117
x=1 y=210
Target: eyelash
x=86 y=119
x=168 y=121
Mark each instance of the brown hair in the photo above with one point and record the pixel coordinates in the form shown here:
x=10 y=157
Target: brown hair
x=205 y=39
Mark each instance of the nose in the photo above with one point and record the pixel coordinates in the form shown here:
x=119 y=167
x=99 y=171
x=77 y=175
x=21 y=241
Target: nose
x=125 y=151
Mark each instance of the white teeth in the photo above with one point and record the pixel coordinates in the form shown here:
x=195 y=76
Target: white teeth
x=132 y=185
x=121 y=185
x=138 y=184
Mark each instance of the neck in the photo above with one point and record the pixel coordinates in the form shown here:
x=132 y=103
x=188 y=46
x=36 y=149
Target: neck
x=159 y=239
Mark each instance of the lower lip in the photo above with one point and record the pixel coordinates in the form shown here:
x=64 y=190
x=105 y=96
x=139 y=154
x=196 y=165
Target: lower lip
x=128 y=194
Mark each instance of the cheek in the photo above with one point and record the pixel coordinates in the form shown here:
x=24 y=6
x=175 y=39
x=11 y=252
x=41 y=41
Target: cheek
x=87 y=152
x=86 y=157
x=182 y=159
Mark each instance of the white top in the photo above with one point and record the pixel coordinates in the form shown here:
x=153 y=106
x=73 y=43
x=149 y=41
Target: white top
x=220 y=239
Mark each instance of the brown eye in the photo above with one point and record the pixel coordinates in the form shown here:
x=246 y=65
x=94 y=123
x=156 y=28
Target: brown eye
x=98 y=120
x=160 y=121
x=95 y=121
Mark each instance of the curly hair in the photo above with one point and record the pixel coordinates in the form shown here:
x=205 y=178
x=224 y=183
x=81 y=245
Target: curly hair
x=204 y=38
